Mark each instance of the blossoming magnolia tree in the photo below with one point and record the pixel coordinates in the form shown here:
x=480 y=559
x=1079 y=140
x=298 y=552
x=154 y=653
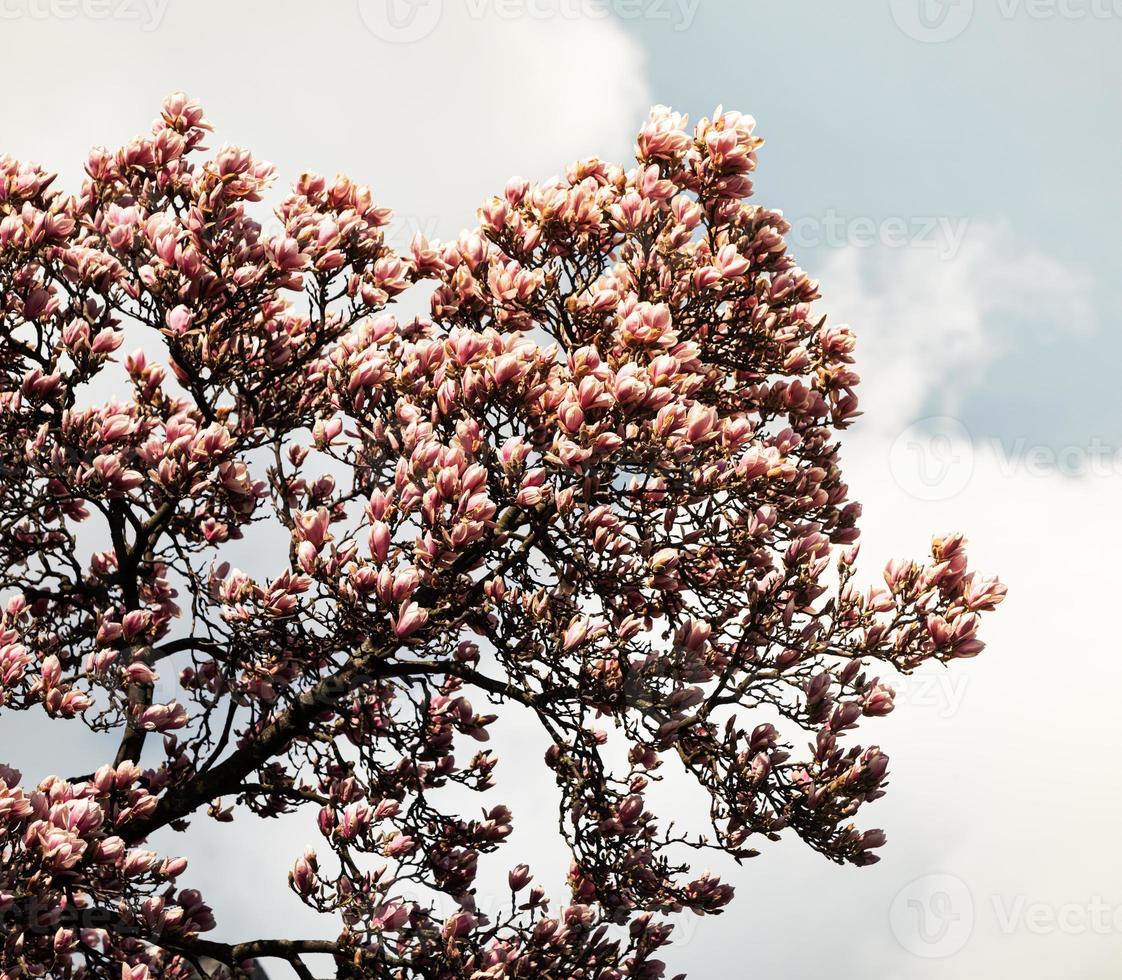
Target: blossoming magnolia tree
x=599 y=485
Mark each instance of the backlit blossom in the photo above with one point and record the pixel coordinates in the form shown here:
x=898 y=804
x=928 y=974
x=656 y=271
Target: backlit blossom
x=597 y=484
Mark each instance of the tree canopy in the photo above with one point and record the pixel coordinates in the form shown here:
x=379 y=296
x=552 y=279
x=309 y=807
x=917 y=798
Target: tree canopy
x=598 y=484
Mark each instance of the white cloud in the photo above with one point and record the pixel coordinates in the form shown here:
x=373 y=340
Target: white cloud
x=1003 y=779
x=928 y=326
x=1012 y=793
x=434 y=128
x=1002 y=767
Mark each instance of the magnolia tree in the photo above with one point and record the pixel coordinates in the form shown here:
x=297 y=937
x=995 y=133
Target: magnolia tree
x=598 y=484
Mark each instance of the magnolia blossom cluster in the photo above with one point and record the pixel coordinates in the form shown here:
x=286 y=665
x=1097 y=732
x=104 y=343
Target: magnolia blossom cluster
x=68 y=865
x=598 y=485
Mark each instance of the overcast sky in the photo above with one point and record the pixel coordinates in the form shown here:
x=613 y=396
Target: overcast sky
x=952 y=177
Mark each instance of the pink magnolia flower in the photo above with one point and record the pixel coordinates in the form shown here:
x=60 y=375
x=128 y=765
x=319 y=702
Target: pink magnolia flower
x=409 y=619
x=598 y=482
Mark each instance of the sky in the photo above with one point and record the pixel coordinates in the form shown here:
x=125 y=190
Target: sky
x=950 y=169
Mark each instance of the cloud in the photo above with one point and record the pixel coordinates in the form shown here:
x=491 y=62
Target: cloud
x=930 y=325
x=1004 y=786
x=998 y=796
x=1001 y=857
x=434 y=128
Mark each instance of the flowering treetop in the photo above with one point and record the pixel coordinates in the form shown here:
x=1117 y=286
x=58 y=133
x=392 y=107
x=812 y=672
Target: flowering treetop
x=599 y=485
